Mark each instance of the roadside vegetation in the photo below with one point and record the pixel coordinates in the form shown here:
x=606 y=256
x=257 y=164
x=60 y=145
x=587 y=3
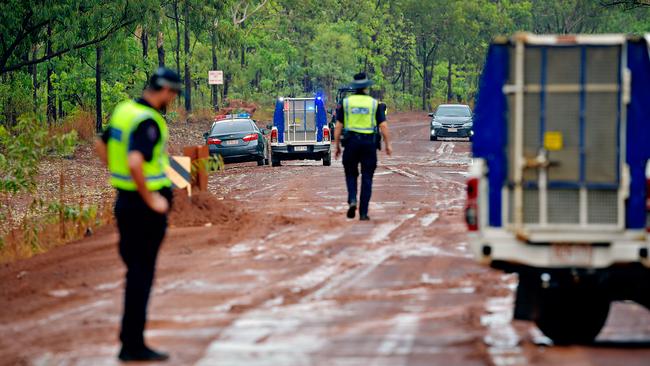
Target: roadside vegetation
x=65 y=64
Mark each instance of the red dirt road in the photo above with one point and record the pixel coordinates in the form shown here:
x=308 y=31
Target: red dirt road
x=287 y=280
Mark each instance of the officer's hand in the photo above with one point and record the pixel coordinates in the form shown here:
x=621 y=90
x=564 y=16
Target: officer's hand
x=158 y=203
x=337 y=154
x=389 y=149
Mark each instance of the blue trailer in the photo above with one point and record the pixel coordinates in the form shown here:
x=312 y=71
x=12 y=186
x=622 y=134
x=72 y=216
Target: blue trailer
x=300 y=131
x=558 y=190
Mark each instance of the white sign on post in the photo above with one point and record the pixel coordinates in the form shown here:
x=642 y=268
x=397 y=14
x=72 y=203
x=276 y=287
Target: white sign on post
x=215 y=77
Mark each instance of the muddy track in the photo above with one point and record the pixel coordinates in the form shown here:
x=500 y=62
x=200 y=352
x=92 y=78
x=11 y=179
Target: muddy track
x=287 y=280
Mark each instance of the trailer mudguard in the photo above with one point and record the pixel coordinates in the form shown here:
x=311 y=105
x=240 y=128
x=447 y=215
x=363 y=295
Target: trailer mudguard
x=321 y=118
x=278 y=119
x=491 y=127
x=638 y=131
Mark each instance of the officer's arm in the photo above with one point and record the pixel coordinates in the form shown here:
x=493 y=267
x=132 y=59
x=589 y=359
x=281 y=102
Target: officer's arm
x=136 y=161
x=385 y=134
x=100 y=149
x=338 y=131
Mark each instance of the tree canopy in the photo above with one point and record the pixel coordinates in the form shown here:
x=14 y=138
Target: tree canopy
x=60 y=56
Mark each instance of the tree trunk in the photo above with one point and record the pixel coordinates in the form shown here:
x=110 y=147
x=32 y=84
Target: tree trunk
x=61 y=112
x=160 y=45
x=425 y=76
x=178 y=38
x=188 y=77
x=34 y=70
x=51 y=102
x=226 y=87
x=449 y=90
x=98 y=88
x=213 y=48
x=145 y=44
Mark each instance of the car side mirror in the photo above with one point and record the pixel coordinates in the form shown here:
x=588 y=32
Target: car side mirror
x=206 y=135
x=430 y=114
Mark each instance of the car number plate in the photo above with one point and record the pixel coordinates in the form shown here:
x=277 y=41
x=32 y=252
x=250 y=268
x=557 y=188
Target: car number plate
x=571 y=254
x=232 y=142
x=452 y=130
x=300 y=148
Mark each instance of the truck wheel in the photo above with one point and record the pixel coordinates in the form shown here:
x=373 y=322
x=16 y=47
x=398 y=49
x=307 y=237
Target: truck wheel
x=327 y=160
x=275 y=162
x=570 y=315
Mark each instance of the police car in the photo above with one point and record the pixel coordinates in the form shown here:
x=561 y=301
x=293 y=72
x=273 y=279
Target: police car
x=236 y=138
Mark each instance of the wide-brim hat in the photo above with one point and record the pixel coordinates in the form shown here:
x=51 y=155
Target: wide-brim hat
x=361 y=81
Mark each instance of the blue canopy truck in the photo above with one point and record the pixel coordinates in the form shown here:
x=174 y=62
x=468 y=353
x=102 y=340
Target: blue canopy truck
x=557 y=191
x=300 y=131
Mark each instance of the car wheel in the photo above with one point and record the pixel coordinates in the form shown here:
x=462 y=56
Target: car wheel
x=275 y=162
x=260 y=162
x=571 y=315
x=327 y=159
x=432 y=138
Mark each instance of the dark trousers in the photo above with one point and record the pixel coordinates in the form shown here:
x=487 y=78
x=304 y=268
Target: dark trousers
x=141 y=233
x=360 y=149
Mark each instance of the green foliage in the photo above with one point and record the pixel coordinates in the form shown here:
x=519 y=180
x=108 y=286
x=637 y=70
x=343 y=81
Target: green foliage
x=22 y=148
x=271 y=48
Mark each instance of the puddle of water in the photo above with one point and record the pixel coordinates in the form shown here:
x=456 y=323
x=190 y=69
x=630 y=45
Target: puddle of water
x=400 y=339
x=425 y=278
x=502 y=339
x=108 y=286
x=384 y=230
x=60 y=293
x=429 y=219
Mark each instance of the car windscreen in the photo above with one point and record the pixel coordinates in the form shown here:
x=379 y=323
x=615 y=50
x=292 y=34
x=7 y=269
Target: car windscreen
x=228 y=127
x=453 y=111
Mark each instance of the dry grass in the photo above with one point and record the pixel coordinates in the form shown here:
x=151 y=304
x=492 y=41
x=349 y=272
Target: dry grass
x=81 y=121
x=39 y=232
x=203 y=115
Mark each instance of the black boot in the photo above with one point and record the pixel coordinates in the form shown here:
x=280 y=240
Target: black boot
x=352 y=210
x=143 y=353
x=364 y=218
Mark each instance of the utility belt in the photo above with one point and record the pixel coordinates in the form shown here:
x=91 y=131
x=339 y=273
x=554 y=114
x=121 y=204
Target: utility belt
x=351 y=136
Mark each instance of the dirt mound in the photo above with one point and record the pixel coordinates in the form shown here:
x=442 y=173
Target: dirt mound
x=237 y=106
x=201 y=209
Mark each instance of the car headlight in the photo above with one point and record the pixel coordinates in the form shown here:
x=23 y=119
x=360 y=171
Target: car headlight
x=468 y=125
x=436 y=124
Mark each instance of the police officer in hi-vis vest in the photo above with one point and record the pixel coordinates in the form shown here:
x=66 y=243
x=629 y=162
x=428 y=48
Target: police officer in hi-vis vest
x=360 y=120
x=134 y=146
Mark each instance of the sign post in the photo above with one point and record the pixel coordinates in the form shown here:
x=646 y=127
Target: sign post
x=215 y=77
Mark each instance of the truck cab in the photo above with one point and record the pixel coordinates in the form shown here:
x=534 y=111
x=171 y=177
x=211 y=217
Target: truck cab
x=300 y=131
x=557 y=191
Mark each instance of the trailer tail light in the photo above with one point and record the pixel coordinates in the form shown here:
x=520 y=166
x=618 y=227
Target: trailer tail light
x=471 y=207
x=251 y=137
x=326 y=134
x=214 y=141
x=274 y=135
x=647 y=204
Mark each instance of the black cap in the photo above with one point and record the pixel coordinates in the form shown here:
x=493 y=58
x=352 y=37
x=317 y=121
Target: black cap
x=361 y=81
x=164 y=77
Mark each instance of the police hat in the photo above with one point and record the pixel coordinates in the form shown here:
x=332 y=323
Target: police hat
x=361 y=81
x=164 y=77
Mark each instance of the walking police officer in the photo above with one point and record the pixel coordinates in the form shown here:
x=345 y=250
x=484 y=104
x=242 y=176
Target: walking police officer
x=360 y=120
x=134 y=147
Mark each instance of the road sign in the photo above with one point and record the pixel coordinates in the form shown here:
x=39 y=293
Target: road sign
x=215 y=77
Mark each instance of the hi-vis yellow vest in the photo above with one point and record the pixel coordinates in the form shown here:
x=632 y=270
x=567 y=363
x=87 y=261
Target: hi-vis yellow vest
x=125 y=119
x=359 y=114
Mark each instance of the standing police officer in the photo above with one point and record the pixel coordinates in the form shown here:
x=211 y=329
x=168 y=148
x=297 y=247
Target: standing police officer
x=134 y=147
x=360 y=119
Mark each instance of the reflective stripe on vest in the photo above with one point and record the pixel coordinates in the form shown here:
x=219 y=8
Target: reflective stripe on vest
x=360 y=114
x=126 y=117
